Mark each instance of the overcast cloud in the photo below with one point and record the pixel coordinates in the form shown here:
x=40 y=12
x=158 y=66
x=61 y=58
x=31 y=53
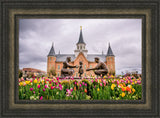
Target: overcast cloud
x=36 y=37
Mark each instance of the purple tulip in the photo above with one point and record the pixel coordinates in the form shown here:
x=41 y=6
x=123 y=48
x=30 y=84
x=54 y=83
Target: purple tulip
x=45 y=86
x=31 y=89
x=44 y=89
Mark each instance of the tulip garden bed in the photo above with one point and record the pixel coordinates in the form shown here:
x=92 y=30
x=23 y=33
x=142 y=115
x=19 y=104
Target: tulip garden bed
x=113 y=88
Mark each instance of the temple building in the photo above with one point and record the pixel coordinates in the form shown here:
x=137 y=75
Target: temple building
x=55 y=61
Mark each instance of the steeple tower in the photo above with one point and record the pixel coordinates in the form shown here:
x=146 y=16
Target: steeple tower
x=110 y=53
x=81 y=45
x=51 y=59
x=52 y=52
x=110 y=59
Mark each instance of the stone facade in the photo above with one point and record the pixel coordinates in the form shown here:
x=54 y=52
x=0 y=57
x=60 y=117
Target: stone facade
x=55 y=61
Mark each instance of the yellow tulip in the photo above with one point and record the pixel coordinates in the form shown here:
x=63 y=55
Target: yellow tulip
x=21 y=83
x=112 y=86
x=133 y=90
x=98 y=89
x=27 y=82
x=35 y=81
x=123 y=94
x=135 y=82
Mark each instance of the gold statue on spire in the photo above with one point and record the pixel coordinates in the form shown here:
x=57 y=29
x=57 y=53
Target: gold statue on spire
x=80 y=27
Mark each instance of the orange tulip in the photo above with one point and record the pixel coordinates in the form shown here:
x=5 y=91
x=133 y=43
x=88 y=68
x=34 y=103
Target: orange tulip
x=75 y=88
x=128 y=89
x=85 y=90
x=123 y=89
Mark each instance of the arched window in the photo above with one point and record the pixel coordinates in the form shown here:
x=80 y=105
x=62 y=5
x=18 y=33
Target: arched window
x=50 y=58
x=58 y=75
x=81 y=47
x=85 y=67
x=76 y=74
x=58 y=67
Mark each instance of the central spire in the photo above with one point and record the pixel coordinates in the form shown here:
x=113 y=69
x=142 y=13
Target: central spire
x=81 y=37
x=81 y=46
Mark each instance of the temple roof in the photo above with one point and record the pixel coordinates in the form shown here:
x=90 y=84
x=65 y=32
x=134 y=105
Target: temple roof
x=90 y=57
x=52 y=52
x=81 y=37
x=110 y=53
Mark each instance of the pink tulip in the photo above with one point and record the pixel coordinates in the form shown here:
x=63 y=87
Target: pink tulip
x=24 y=84
x=41 y=97
x=117 y=82
x=22 y=79
x=122 y=80
x=85 y=84
x=38 y=86
x=100 y=84
x=138 y=82
x=60 y=88
x=60 y=85
x=44 y=89
x=52 y=87
x=34 y=92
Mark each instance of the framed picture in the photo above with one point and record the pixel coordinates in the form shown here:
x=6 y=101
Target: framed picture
x=36 y=37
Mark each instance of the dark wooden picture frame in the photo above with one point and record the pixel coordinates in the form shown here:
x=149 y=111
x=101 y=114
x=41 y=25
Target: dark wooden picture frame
x=12 y=10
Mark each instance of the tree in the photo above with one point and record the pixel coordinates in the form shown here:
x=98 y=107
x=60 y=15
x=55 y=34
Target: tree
x=20 y=73
x=52 y=72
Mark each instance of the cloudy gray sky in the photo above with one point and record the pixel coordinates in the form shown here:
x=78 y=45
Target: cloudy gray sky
x=36 y=37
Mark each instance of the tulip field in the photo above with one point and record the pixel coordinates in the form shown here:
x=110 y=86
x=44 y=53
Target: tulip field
x=107 y=88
